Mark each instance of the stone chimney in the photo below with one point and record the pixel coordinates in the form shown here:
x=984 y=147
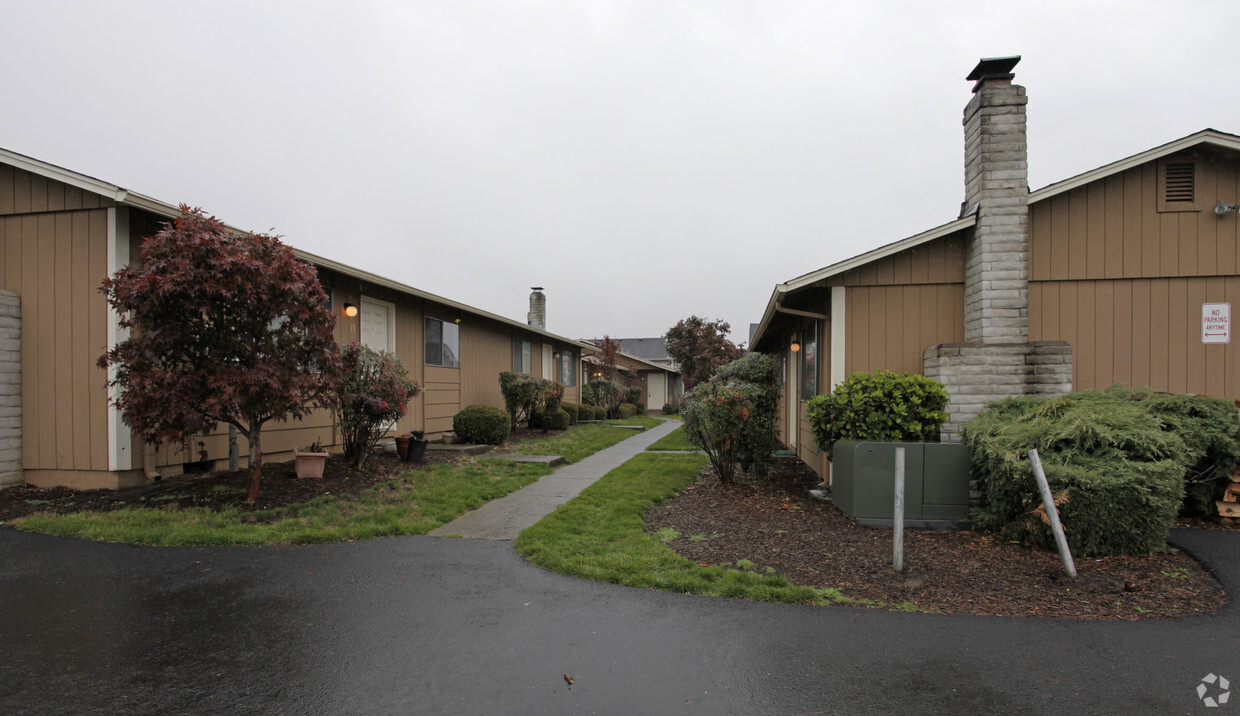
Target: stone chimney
x=996 y=170
x=538 y=309
x=996 y=359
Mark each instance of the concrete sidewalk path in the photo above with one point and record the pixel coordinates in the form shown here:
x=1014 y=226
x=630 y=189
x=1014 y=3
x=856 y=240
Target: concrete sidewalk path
x=505 y=518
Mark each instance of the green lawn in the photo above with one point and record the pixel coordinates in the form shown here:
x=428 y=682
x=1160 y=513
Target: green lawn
x=674 y=440
x=645 y=421
x=599 y=535
x=579 y=441
x=411 y=505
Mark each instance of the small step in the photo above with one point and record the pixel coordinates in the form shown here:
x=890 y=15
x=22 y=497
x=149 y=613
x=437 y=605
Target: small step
x=549 y=460
x=460 y=448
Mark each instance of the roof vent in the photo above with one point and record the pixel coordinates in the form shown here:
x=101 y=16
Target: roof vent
x=1179 y=182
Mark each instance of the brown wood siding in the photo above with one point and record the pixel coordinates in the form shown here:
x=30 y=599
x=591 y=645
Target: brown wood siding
x=1112 y=229
x=486 y=351
x=939 y=261
x=55 y=262
x=890 y=327
x=1139 y=332
x=24 y=193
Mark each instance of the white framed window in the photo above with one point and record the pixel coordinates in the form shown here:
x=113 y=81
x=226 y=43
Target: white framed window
x=522 y=356
x=443 y=343
x=566 y=367
x=378 y=324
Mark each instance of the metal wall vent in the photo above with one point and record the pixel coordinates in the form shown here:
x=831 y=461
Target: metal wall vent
x=1179 y=183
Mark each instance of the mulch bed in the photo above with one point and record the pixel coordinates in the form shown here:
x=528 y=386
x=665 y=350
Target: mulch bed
x=776 y=523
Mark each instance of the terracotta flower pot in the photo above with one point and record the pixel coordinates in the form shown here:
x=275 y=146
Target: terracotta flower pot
x=402 y=446
x=309 y=464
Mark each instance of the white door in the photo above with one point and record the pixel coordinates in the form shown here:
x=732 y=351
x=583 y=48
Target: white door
x=548 y=362
x=656 y=391
x=376 y=324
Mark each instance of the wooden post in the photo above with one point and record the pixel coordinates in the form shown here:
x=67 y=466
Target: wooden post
x=1052 y=513
x=897 y=523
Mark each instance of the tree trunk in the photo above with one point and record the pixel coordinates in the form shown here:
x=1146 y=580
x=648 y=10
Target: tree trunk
x=256 y=460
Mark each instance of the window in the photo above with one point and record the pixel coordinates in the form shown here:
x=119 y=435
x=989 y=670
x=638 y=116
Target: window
x=566 y=368
x=329 y=301
x=809 y=362
x=522 y=356
x=443 y=343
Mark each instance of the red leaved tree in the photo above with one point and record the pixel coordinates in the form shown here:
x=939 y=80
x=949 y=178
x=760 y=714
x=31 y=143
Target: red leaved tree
x=608 y=349
x=700 y=347
x=224 y=328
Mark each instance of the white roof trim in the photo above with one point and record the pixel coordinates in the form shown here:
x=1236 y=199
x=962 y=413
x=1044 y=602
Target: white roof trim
x=129 y=198
x=1205 y=136
x=854 y=262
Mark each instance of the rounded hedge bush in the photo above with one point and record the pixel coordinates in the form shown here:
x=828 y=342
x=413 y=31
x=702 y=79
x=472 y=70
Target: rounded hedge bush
x=574 y=414
x=600 y=413
x=669 y=409
x=627 y=410
x=559 y=421
x=482 y=424
x=886 y=406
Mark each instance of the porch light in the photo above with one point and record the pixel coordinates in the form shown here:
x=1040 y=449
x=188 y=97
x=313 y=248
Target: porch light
x=796 y=347
x=350 y=310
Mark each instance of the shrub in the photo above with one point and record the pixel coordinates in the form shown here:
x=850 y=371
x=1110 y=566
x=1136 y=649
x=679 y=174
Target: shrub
x=524 y=396
x=627 y=410
x=633 y=394
x=599 y=413
x=560 y=420
x=669 y=409
x=374 y=394
x=1210 y=429
x=587 y=395
x=573 y=412
x=608 y=395
x=482 y=424
x=715 y=415
x=640 y=408
x=1115 y=459
x=880 y=406
x=759 y=437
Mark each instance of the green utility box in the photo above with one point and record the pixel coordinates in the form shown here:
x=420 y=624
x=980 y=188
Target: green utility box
x=936 y=483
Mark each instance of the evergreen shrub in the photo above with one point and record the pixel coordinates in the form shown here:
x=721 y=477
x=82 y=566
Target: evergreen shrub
x=560 y=421
x=886 y=406
x=525 y=396
x=627 y=410
x=1116 y=461
x=669 y=409
x=759 y=436
x=573 y=411
x=482 y=424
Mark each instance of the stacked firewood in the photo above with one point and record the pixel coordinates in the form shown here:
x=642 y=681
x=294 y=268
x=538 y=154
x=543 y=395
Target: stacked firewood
x=1229 y=506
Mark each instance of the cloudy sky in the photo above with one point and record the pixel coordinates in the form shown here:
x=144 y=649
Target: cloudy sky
x=643 y=161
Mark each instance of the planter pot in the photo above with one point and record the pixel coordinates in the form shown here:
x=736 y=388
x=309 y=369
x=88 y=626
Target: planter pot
x=309 y=464
x=417 y=451
x=402 y=446
x=417 y=434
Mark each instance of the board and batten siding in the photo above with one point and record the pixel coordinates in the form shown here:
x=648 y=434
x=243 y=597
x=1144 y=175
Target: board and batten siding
x=1123 y=282
x=54 y=255
x=899 y=305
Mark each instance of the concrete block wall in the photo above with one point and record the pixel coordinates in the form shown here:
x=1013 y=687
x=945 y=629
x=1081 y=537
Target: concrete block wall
x=10 y=389
x=977 y=373
x=997 y=184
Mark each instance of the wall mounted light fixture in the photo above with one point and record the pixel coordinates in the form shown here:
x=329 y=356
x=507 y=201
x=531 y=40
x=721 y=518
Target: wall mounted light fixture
x=1223 y=208
x=350 y=310
x=796 y=347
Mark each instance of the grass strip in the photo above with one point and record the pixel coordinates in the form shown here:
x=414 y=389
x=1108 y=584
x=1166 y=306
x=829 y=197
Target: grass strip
x=674 y=440
x=577 y=443
x=599 y=535
x=410 y=505
x=645 y=421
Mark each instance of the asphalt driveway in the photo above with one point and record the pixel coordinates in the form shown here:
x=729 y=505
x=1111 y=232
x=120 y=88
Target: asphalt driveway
x=429 y=625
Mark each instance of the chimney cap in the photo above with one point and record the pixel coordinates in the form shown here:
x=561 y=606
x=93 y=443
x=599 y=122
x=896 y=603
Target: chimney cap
x=536 y=288
x=993 y=68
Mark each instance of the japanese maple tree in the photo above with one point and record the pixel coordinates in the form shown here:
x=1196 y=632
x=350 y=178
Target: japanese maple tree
x=700 y=347
x=223 y=328
x=608 y=349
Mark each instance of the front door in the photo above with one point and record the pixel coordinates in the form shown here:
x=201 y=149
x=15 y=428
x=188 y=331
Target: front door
x=656 y=391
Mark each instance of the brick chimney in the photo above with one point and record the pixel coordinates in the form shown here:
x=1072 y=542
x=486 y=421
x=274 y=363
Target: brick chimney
x=996 y=170
x=538 y=309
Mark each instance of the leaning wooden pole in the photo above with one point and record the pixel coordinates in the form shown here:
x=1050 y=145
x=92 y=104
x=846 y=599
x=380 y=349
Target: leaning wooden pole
x=897 y=523
x=1052 y=513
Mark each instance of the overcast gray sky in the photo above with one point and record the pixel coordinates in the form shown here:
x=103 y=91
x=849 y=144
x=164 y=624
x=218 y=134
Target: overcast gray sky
x=643 y=161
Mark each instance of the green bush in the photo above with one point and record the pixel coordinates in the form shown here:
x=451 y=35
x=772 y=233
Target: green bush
x=1210 y=429
x=573 y=412
x=482 y=424
x=608 y=395
x=627 y=410
x=669 y=409
x=560 y=420
x=600 y=413
x=883 y=406
x=759 y=435
x=1116 y=461
x=587 y=395
x=633 y=394
x=374 y=393
x=715 y=415
x=524 y=396
x=641 y=408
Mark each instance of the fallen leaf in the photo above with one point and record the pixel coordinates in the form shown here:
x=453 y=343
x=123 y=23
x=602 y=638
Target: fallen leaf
x=569 y=679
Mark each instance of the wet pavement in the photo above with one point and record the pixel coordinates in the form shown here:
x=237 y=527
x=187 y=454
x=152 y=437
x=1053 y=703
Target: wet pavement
x=451 y=626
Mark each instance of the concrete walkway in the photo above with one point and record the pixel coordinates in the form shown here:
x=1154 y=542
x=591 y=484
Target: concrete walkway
x=505 y=518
